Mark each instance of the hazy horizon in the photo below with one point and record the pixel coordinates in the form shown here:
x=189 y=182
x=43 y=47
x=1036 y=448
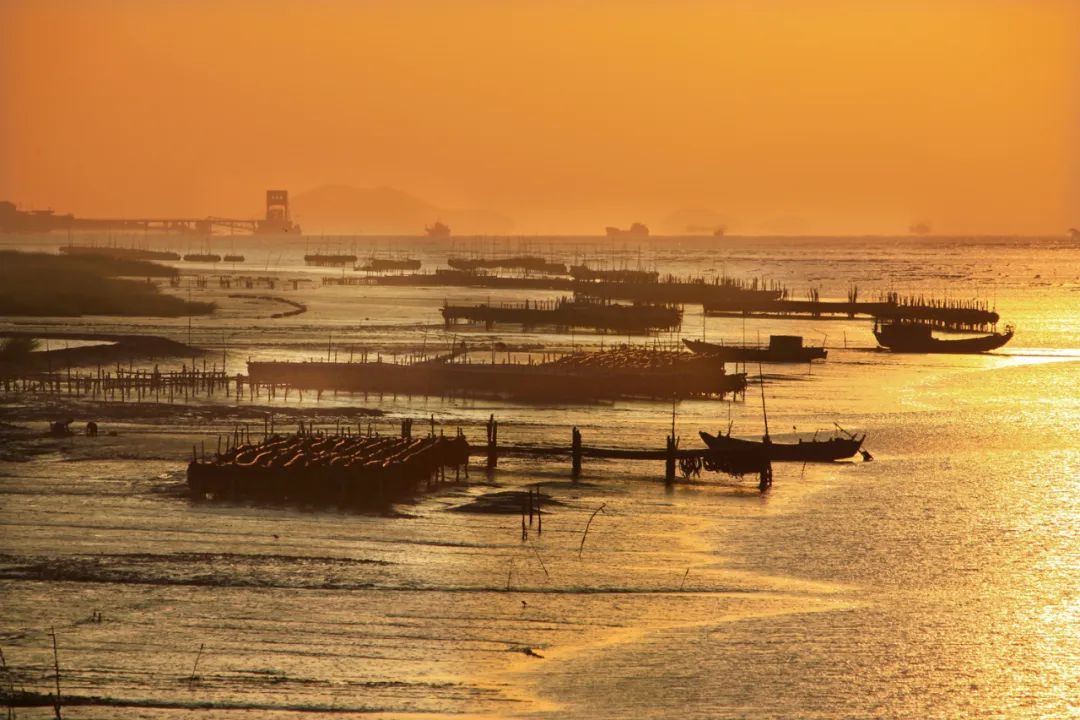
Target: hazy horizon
x=773 y=118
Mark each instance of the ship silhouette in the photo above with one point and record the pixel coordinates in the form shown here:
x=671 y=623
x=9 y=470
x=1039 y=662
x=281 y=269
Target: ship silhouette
x=637 y=230
x=438 y=230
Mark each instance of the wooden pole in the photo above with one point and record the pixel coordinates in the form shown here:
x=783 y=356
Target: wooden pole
x=56 y=669
x=575 y=453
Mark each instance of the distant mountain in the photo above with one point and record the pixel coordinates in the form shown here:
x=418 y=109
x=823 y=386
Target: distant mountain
x=383 y=210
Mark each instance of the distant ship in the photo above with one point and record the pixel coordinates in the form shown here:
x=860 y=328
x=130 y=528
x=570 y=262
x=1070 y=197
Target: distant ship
x=13 y=220
x=438 y=230
x=637 y=230
x=1074 y=234
x=920 y=228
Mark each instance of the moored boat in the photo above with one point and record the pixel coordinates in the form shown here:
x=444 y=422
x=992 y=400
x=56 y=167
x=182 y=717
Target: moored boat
x=836 y=448
x=781 y=349
x=919 y=338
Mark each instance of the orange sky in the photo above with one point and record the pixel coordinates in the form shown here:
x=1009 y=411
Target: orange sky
x=779 y=115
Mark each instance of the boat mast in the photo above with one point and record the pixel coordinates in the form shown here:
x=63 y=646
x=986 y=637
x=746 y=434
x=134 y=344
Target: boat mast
x=764 y=414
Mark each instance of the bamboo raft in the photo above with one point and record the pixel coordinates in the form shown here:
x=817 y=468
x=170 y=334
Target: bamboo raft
x=565 y=313
x=528 y=263
x=961 y=315
x=343 y=468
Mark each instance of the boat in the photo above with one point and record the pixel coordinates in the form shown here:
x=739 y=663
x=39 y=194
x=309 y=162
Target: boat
x=835 y=448
x=781 y=349
x=637 y=230
x=438 y=230
x=234 y=258
x=918 y=338
x=202 y=257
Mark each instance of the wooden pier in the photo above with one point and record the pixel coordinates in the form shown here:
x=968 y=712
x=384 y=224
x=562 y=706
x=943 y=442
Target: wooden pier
x=124 y=384
x=368 y=470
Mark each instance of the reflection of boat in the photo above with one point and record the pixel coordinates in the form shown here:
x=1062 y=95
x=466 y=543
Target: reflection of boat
x=637 y=230
x=918 y=338
x=438 y=230
x=836 y=448
x=781 y=348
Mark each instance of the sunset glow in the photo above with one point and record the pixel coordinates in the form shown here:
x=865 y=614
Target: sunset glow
x=773 y=117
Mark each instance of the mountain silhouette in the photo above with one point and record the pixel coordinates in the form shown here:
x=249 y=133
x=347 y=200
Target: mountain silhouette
x=384 y=210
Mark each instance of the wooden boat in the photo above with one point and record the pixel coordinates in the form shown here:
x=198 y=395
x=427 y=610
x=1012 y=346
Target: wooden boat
x=918 y=338
x=836 y=448
x=781 y=349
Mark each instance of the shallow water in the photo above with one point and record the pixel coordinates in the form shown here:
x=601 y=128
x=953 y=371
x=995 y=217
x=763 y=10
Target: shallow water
x=940 y=580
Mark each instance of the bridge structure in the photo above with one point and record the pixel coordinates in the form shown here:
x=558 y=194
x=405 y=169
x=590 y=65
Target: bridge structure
x=277 y=221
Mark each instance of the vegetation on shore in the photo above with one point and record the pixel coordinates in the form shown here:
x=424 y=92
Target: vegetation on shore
x=38 y=284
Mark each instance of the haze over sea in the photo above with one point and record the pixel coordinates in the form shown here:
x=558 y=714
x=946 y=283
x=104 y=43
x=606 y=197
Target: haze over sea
x=940 y=580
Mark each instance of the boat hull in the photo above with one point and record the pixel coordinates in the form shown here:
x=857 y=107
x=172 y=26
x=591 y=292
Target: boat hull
x=812 y=451
x=963 y=346
x=735 y=353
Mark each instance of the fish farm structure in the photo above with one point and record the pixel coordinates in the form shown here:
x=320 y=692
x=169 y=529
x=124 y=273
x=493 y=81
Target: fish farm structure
x=582 y=377
x=944 y=314
x=344 y=468
x=528 y=263
x=566 y=313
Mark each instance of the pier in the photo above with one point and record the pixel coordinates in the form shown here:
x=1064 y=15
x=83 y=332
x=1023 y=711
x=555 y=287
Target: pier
x=123 y=384
x=359 y=469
